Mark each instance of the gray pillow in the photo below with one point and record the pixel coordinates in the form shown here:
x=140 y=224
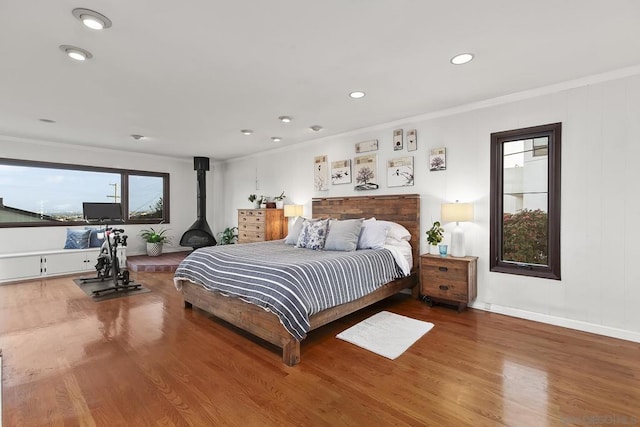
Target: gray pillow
x=343 y=235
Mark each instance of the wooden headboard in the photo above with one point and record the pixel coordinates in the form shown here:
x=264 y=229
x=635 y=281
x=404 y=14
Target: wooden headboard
x=401 y=208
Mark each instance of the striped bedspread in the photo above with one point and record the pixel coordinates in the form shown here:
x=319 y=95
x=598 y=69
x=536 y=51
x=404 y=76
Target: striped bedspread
x=291 y=282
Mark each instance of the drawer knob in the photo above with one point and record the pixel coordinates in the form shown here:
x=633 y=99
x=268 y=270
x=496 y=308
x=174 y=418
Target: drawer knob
x=444 y=287
x=443 y=269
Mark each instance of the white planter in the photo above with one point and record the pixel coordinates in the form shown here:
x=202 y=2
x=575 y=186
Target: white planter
x=154 y=249
x=279 y=204
x=433 y=250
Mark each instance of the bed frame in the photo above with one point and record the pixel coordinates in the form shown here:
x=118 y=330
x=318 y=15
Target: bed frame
x=403 y=209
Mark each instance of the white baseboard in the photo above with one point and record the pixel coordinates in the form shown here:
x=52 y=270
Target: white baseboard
x=579 y=325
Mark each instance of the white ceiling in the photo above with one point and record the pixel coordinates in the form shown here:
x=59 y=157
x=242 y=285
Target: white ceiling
x=191 y=74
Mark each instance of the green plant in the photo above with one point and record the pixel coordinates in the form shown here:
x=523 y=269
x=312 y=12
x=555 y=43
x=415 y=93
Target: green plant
x=155 y=236
x=228 y=236
x=525 y=237
x=280 y=197
x=435 y=234
x=252 y=197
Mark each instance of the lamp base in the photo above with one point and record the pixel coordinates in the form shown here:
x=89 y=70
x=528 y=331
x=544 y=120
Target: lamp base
x=457 y=242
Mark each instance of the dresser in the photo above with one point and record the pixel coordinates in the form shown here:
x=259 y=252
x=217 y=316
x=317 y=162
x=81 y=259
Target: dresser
x=258 y=225
x=449 y=280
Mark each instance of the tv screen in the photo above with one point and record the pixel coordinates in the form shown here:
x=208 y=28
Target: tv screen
x=102 y=211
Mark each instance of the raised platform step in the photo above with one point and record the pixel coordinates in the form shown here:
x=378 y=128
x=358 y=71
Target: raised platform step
x=167 y=262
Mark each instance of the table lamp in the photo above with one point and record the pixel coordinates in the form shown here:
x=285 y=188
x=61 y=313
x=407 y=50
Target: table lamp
x=292 y=210
x=457 y=212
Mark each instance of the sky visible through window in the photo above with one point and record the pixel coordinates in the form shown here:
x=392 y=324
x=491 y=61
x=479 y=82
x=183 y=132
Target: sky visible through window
x=61 y=192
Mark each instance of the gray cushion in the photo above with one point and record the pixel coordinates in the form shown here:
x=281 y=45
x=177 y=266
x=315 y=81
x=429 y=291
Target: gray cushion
x=343 y=235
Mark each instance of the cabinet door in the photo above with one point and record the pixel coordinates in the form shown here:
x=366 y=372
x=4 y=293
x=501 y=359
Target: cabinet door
x=70 y=262
x=22 y=267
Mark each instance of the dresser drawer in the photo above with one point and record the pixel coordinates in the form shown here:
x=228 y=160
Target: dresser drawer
x=250 y=236
x=251 y=226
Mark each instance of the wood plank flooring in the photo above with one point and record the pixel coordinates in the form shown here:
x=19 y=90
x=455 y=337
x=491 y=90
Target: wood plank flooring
x=145 y=360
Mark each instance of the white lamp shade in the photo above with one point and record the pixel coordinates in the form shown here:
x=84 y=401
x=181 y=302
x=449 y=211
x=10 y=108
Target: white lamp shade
x=292 y=210
x=456 y=212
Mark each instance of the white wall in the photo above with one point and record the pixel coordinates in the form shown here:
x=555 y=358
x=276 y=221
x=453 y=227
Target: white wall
x=182 y=194
x=600 y=286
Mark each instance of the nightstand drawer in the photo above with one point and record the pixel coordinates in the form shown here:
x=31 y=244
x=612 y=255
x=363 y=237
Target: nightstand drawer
x=446 y=270
x=250 y=219
x=446 y=289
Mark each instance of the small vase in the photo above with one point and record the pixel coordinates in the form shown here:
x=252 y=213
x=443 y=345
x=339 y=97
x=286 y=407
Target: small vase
x=154 y=249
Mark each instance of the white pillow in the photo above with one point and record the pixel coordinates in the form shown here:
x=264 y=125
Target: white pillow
x=397 y=231
x=343 y=235
x=372 y=234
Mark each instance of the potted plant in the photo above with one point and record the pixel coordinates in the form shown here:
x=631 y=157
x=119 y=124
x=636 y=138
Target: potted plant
x=280 y=200
x=434 y=236
x=255 y=200
x=155 y=239
x=229 y=236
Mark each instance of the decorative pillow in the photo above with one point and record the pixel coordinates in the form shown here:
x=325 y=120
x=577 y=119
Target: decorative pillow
x=372 y=235
x=342 y=235
x=77 y=239
x=313 y=234
x=296 y=228
x=96 y=236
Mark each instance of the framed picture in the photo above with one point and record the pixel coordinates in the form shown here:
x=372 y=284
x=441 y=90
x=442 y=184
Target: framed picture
x=341 y=172
x=364 y=146
x=365 y=168
x=412 y=140
x=397 y=140
x=438 y=159
x=400 y=172
x=320 y=173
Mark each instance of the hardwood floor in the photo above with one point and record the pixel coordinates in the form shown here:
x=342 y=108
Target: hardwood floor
x=145 y=360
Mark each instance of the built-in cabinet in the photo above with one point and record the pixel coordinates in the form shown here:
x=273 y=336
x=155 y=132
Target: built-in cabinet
x=24 y=266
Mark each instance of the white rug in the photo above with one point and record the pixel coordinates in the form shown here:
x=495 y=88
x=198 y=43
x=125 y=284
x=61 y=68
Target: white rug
x=386 y=334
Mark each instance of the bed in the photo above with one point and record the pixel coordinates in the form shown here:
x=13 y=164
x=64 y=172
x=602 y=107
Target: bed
x=401 y=209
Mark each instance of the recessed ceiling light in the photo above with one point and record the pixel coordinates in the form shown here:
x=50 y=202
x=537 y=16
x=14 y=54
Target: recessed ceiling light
x=357 y=94
x=76 y=53
x=285 y=119
x=47 y=120
x=246 y=131
x=276 y=139
x=138 y=137
x=92 y=19
x=316 y=128
x=462 y=58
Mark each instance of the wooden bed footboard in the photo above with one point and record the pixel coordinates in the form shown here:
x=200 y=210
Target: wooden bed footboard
x=267 y=326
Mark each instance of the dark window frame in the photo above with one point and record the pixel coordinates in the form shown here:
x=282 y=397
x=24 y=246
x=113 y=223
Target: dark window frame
x=124 y=191
x=551 y=271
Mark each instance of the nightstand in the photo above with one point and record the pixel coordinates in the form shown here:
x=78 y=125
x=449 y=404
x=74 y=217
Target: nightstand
x=449 y=280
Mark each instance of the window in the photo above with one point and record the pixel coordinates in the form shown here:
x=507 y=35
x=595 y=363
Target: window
x=49 y=194
x=525 y=201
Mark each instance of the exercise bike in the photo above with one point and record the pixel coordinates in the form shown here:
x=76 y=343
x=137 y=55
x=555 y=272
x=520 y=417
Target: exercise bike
x=108 y=264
